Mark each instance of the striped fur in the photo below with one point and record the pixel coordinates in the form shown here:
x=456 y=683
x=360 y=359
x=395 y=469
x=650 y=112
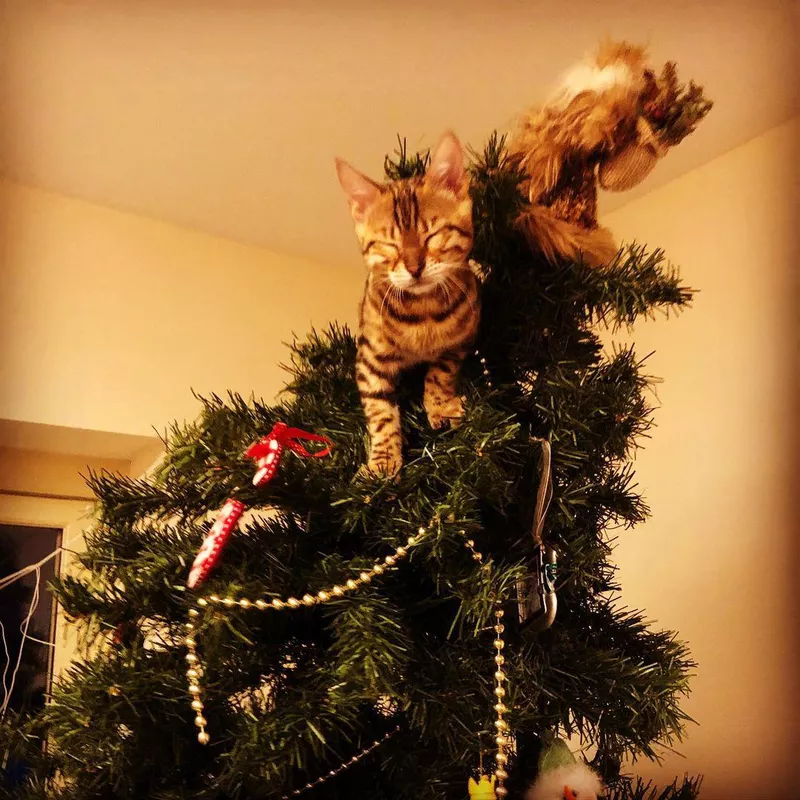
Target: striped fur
x=421 y=303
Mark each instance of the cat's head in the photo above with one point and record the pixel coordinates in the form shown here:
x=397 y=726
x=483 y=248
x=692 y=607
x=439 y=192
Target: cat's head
x=415 y=233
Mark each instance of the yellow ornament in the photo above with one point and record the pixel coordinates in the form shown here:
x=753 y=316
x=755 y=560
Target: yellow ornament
x=483 y=789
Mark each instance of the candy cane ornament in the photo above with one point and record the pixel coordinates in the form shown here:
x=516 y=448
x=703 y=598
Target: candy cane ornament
x=209 y=552
x=267 y=453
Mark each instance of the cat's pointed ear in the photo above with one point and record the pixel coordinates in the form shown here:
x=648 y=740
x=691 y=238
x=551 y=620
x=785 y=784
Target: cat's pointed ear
x=360 y=190
x=447 y=164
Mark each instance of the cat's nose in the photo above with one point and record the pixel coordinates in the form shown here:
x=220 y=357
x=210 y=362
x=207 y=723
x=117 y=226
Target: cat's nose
x=415 y=266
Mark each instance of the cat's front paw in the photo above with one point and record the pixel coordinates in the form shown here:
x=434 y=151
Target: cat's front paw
x=449 y=412
x=383 y=463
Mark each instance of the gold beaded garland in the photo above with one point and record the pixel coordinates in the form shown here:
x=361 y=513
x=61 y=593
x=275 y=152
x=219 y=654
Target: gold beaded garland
x=486 y=374
x=501 y=740
x=322 y=596
x=342 y=767
x=501 y=757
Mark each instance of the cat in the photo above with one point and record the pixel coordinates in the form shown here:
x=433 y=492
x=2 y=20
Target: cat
x=421 y=302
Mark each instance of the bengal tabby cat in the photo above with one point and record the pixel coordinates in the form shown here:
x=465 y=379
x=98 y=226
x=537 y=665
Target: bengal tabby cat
x=421 y=302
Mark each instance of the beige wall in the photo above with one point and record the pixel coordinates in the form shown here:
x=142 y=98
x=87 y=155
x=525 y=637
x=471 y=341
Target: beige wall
x=108 y=320
x=718 y=560
x=29 y=472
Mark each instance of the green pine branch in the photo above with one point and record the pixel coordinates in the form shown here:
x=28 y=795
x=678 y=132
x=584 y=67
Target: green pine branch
x=685 y=789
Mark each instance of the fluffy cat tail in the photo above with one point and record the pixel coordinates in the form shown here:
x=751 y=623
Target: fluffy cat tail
x=556 y=238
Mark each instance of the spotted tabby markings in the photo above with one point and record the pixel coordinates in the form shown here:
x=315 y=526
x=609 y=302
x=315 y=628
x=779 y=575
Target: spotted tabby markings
x=421 y=303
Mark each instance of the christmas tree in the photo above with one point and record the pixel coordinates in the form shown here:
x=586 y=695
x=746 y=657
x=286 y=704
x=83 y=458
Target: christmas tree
x=362 y=636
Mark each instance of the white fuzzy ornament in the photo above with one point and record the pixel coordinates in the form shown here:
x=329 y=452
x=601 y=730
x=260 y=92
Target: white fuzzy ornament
x=563 y=777
x=590 y=77
x=572 y=782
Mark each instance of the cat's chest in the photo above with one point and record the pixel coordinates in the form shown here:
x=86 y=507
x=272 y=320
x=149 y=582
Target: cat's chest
x=423 y=343
x=421 y=332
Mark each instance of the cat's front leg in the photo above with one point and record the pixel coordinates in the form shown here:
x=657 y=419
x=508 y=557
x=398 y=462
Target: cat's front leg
x=377 y=382
x=442 y=401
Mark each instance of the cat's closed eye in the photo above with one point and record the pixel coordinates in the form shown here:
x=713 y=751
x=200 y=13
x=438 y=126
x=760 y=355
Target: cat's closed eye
x=436 y=239
x=379 y=253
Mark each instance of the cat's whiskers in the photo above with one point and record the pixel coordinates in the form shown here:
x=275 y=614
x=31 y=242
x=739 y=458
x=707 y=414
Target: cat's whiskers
x=450 y=279
x=390 y=287
x=397 y=294
x=445 y=290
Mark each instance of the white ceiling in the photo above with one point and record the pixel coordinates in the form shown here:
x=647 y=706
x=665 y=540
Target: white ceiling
x=226 y=115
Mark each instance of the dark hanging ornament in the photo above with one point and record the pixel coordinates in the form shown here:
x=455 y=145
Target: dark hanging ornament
x=536 y=594
x=537 y=601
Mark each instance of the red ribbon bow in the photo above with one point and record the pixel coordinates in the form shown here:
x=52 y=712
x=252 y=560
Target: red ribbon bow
x=267 y=453
x=268 y=450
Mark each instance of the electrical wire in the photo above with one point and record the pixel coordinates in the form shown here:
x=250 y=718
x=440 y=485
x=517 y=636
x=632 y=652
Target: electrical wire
x=8 y=687
x=6 y=668
x=21 y=573
x=8 y=691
